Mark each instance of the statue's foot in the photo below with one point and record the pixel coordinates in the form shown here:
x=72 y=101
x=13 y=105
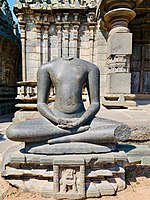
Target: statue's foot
x=105 y=134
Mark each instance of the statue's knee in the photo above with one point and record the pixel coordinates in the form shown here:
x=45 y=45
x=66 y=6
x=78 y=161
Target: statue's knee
x=12 y=132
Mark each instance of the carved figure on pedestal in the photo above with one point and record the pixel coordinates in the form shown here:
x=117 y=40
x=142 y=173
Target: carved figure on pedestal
x=68 y=181
x=68 y=121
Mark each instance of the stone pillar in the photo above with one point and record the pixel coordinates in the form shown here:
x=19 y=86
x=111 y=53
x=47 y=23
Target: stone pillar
x=65 y=49
x=91 y=26
x=91 y=29
x=38 y=40
x=73 y=47
x=45 y=40
x=119 y=47
x=59 y=34
x=23 y=42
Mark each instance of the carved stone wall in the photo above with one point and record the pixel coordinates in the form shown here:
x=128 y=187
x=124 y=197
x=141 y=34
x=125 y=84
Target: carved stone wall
x=10 y=60
x=96 y=31
x=56 y=29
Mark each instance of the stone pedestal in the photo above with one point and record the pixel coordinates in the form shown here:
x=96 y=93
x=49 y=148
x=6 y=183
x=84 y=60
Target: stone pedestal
x=75 y=176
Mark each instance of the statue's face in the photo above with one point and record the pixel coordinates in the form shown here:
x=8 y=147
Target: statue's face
x=70 y=174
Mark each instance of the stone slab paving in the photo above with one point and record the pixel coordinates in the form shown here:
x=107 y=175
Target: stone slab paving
x=139 y=115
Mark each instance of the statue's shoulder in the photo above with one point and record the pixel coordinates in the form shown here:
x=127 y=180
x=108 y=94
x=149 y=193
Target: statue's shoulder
x=90 y=66
x=49 y=65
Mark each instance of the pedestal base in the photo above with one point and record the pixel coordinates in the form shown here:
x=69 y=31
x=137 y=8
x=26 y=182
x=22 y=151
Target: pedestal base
x=66 y=176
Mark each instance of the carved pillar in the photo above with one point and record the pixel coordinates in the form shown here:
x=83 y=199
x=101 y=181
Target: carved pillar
x=91 y=26
x=73 y=49
x=120 y=39
x=75 y=41
x=23 y=41
x=119 y=48
x=59 y=34
x=65 y=49
x=91 y=29
x=38 y=40
x=45 y=40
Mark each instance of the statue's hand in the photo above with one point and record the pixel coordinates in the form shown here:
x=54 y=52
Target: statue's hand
x=74 y=130
x=66 y=123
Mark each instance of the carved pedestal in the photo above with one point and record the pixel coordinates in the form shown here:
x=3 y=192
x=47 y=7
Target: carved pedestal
x=66 y=176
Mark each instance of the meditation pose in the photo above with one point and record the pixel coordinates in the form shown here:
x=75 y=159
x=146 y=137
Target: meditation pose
x=68 y=121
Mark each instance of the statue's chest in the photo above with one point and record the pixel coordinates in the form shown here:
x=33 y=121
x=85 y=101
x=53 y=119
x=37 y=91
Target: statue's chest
x=68 y=75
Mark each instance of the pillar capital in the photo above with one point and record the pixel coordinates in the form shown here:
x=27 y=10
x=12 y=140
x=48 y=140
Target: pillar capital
x=119 y=17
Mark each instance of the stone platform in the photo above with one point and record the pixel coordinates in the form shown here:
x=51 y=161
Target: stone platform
x=74 y=176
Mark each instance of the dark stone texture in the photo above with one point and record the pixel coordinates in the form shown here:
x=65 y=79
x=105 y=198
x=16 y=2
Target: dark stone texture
x=68 y=148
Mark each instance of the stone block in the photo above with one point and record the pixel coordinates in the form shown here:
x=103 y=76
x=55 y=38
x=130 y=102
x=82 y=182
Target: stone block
x=85 y=52
x=17 y=158
x=105 y=188
x=120 y=183
x=69 y=160
x=145 y=160
x=101 y=42
x=119 y=83
x=101 y=57
x=102 y=49
x=98 y=173
x=30 y=49
x=92 y=191
x=32 y=158
x=108 y=158
x=47 y=190
x=120 y=44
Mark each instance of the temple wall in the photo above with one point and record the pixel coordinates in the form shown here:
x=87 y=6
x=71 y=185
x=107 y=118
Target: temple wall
x=10 y=60
x=96 y=31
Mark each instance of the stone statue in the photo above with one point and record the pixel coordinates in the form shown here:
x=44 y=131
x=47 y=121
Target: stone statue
x=68 y=121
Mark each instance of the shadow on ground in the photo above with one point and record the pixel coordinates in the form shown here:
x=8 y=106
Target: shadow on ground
x=135 y=171
x=6 y=118
x=2 y=137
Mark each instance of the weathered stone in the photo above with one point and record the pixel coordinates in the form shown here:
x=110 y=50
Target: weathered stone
x=68 y=148
x=68 y=160
x=117 y=85
x=67 y=176
x=101 y=172
x=105 y=188
x=93 y=191
x=120 y=44
x=145 y=160
x=15 y=158
x=120 y=183
x=47 y=190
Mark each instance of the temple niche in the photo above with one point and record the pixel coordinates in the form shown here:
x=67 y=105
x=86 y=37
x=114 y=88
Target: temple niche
x=96 y=31
x=10 y=59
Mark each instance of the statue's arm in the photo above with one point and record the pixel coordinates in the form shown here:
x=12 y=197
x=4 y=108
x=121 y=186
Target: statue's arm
x=43 y=89
x=93 y=86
